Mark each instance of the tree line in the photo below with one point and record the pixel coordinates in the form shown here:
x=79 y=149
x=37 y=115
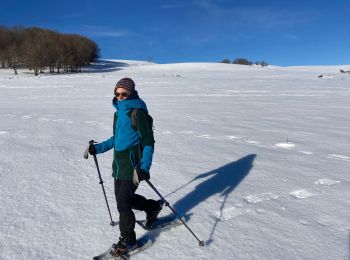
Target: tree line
x=40 y=49
x=243 y=61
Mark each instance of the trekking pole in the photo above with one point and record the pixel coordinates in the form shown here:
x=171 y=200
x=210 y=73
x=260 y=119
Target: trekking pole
x=86 y=155
x=201 y=242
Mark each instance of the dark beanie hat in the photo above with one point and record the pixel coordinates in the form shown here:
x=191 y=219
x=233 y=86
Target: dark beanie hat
x=126 y=83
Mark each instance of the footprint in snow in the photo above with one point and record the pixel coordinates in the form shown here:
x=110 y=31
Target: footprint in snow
x=204 y=136
x=231 y=137
x=228 y=213
x=252 y=142
x=327 y=220
x=192 y=119
x=89 y=122
x=339 y=157
x=186 y=132
x=196 y=119
x=306 y=152
x=304 y=222
x=301 y=194
x=10 y=115
x=285 y=145
x=327 y=182
x=44 y=119
x=58 y=120
x=253 y=199
x=26 y=117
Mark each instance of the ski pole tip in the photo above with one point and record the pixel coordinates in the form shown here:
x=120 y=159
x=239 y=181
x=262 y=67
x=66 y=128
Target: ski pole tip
x=201 y=243
x=113 y=223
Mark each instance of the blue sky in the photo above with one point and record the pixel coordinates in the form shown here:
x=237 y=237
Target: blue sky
x=294 y=32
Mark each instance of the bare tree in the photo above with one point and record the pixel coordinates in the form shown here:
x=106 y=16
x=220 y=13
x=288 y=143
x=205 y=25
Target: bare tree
x=226 y=61
x=261 y=63
x=4 y=42
x=34 y=49
x=39 y=49
x=242 y=61
x=11 y=47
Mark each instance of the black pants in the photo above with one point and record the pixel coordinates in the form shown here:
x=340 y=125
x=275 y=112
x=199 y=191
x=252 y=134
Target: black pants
x=127 y=200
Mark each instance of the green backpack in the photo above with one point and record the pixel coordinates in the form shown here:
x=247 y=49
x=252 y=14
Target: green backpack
x=134 y=120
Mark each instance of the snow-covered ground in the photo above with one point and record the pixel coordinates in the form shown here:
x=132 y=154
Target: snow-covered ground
x=258 y=159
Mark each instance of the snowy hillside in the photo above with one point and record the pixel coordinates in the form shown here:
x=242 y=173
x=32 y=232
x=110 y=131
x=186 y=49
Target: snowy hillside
x=257 y=158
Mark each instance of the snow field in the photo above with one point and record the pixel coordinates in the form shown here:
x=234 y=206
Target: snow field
x=256 y=158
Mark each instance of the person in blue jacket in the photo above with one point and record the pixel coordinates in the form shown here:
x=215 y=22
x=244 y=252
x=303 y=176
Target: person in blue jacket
x=132 y=159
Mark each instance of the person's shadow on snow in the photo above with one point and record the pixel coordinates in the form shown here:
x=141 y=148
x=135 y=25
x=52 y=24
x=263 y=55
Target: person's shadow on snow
x=221 y=180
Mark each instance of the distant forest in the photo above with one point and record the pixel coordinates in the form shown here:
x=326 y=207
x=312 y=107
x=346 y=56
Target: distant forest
x=243 y=61
x=41 y=49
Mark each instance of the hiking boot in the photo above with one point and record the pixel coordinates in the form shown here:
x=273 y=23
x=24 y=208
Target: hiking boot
x=151 y=216
x=122 y=247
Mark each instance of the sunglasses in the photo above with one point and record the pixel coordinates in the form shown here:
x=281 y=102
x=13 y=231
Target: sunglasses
x=123 y=94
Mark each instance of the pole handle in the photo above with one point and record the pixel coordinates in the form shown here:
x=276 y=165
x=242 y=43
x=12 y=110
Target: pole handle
x=86 y=153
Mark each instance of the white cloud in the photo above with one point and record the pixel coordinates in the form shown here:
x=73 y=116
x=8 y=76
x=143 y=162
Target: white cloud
x=110 y=33
x=263 y=17
x=104 y=31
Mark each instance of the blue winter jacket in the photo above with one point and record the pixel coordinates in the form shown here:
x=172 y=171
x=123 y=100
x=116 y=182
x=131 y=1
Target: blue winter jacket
x=127 y=141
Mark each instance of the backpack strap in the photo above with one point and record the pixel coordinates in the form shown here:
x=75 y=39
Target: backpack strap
x=114 y=121
x=134 y=118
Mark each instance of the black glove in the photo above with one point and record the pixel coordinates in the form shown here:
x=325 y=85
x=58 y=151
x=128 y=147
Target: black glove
x=143 y=175
x=92 y=149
